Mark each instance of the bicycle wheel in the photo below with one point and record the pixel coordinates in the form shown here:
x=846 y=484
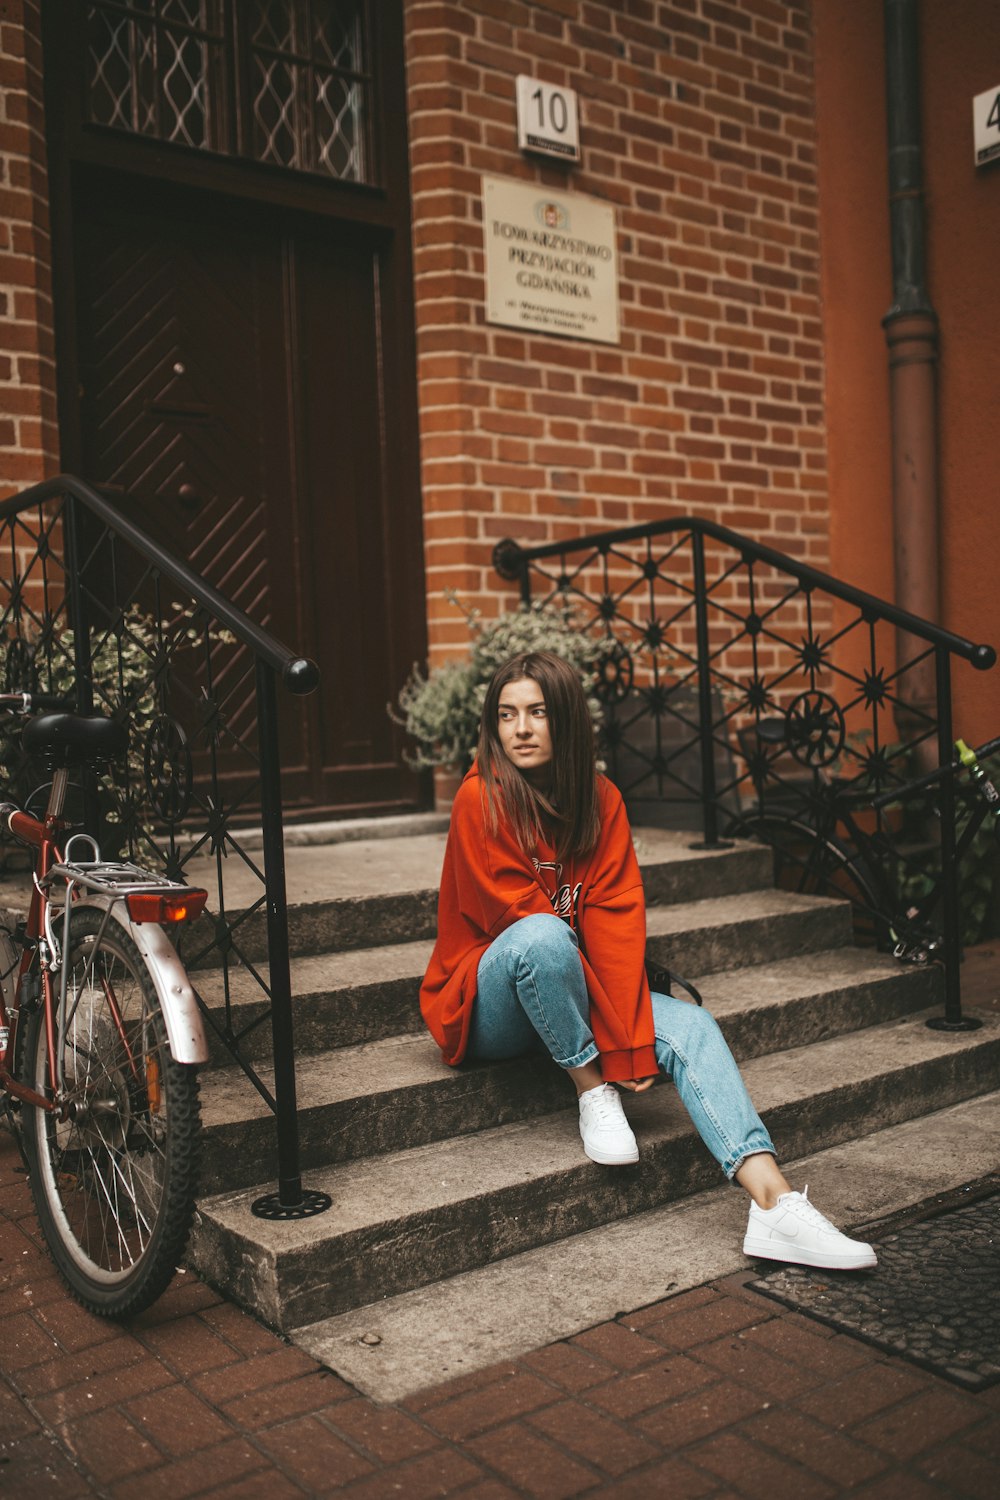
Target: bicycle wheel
x=114 y=1182
x=816 y=865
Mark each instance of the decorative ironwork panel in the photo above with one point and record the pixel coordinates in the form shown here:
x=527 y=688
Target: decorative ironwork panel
x=754 y=697
x=164 y=68
x=110 y=629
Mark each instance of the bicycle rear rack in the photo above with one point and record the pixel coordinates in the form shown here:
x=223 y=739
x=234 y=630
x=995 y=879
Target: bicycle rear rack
x=112 y=878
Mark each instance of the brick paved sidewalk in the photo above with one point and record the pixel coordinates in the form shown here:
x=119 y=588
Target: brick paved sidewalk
x=716 y=1392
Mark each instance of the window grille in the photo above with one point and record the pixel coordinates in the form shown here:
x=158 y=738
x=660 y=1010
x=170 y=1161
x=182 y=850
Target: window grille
x=278 y=81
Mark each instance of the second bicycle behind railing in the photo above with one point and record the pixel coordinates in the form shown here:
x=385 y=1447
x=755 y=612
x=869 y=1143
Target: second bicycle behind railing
x=881 y=851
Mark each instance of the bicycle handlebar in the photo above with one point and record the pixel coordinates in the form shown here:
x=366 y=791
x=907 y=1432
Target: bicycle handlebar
x=27 y=703
x=909 y=787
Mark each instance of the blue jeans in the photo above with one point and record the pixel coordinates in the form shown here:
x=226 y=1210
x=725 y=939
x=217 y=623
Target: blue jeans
x=531 y=993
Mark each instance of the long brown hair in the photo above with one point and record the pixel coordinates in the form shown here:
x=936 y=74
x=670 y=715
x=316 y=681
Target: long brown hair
x=570 y=808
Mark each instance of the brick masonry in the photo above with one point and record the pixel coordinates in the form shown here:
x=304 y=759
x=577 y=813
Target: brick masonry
x=28 y=437
x=698 y=125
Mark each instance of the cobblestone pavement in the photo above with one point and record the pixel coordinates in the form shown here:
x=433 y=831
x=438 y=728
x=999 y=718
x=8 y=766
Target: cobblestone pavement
x=718 y=1392
x=935 y=1297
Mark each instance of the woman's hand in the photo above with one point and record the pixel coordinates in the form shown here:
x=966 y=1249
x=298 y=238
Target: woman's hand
x=636 y=1085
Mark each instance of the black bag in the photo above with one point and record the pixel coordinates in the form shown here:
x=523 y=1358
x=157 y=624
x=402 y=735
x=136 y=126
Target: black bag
x=667 y=983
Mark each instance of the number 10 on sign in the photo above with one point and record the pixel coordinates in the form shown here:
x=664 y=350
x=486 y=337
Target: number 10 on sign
x=547 y=119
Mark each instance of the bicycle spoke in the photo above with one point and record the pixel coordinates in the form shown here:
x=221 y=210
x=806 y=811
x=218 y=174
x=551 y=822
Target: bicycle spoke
x=114 y=1205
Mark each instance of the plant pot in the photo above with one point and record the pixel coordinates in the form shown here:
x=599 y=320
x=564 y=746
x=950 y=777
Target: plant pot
x=446 y=784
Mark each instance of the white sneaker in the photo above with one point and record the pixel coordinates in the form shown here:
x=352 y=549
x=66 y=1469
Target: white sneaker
x=607 y=1135
x=794 y=1231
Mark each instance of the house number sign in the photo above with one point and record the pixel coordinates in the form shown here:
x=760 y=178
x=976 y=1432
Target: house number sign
x=547 y=119
x=986 y=126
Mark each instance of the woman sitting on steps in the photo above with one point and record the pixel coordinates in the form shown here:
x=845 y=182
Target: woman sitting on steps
x=541 y=940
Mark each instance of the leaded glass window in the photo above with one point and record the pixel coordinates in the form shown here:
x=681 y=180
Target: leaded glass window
x=280 y=81
x=306 y=86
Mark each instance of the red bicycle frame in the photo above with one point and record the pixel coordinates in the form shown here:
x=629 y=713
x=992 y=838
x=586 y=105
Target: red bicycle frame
x=40 y=835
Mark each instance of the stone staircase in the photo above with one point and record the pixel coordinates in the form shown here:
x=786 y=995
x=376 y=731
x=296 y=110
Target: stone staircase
x=436 y=1172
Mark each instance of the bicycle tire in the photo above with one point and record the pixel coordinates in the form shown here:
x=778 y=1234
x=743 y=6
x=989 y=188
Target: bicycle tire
x=813 y=864
x=114 y=1183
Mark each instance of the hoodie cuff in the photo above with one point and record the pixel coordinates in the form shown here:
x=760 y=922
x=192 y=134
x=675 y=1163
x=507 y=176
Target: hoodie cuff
x=632 y=1063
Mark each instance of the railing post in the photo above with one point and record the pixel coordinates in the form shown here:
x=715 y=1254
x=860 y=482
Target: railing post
x=290 y=1201
x=78 y=622
x=709 y=810
x=951 y=920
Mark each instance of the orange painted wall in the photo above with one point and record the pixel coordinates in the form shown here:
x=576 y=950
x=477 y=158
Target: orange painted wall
x=960 y=57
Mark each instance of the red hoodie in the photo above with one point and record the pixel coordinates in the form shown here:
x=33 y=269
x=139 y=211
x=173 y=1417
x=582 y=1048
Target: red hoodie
x=488 y=882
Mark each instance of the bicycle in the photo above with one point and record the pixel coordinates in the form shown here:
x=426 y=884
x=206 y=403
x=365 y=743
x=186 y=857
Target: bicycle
x=100 y=1038
x=914 y=941
x=829 y=851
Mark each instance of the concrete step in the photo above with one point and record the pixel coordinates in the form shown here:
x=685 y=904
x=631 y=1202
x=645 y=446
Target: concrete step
x=365 y=893
x=415 y=1216
x=382 y=1096
x=754 y=927
x=394 y=1348
x=340 y=999
x=362 y=994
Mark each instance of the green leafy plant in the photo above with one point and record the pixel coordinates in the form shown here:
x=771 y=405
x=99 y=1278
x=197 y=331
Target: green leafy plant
x=441 y=709
x=978 y=874
x=917 y=836
x=980 y=885
x=126 y=666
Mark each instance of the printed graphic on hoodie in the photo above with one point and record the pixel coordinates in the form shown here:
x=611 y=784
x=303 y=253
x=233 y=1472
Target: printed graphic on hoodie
x=564 y=898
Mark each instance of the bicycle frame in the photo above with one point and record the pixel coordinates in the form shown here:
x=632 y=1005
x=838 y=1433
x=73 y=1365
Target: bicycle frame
x=832 y=822
x=36 y=834
x=985 y=806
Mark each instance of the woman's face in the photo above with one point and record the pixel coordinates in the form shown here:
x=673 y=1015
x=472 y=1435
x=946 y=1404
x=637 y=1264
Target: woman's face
x=524 y=729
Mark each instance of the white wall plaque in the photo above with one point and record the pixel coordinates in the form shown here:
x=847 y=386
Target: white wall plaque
x=547 y=119
x=986 y=126
x=551 y=260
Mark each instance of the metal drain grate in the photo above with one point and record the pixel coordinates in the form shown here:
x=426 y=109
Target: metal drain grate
x=933 y=1299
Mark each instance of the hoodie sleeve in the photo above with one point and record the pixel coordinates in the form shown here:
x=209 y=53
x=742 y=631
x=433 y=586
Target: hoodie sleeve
x=613 y=938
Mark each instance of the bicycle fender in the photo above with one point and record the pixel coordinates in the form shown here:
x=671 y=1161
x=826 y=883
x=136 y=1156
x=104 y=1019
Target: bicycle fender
x=185 y=1030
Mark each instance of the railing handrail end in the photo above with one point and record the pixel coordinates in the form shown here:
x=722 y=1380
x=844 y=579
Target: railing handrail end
x=298 y=673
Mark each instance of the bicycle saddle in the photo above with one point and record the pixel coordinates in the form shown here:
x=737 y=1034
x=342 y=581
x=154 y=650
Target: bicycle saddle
x=74 y=739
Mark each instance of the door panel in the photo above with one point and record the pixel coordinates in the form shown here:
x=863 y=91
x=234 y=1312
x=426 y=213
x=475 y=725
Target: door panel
x=233 y=390
x=342 y=424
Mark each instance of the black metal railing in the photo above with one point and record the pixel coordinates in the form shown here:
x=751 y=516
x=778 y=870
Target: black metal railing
x=767 y=698
x=94 y=609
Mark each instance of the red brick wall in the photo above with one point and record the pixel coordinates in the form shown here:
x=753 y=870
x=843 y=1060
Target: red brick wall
x=28 y=436
x=697 y=123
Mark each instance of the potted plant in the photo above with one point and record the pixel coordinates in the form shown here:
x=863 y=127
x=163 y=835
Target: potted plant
x=440 y=709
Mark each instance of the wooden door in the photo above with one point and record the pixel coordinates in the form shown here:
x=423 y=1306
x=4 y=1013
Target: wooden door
x=232 y=389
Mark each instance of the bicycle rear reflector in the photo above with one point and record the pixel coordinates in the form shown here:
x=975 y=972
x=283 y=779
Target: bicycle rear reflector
x=174 y=906
x=154 y=1090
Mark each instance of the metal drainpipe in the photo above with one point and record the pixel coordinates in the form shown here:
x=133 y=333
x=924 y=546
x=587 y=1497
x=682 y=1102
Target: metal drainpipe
x=911 y=329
